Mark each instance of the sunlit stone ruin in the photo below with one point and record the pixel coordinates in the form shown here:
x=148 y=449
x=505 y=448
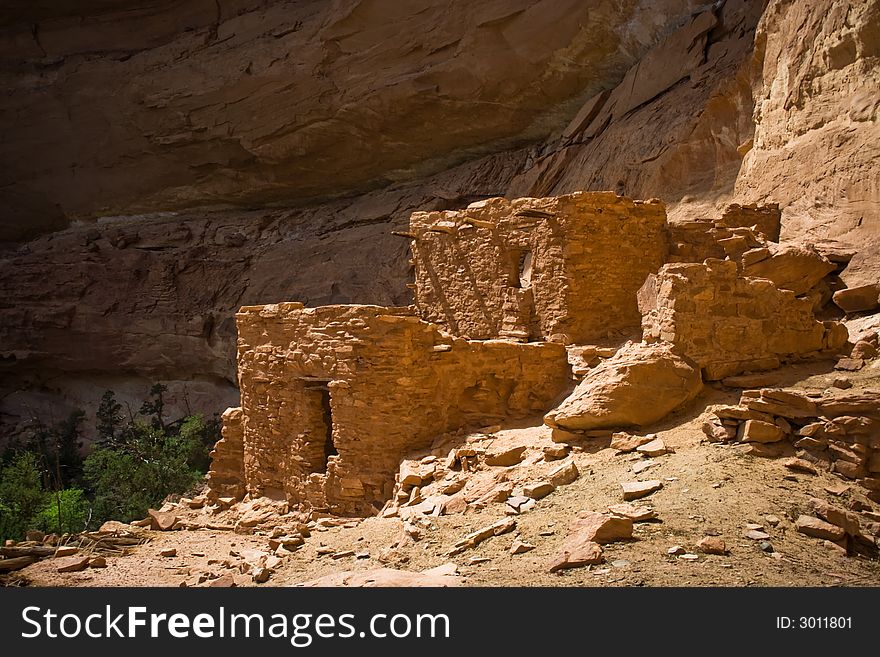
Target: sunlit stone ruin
x=516 y=304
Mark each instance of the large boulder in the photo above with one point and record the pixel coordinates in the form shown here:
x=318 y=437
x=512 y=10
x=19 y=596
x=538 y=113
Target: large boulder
x=858 y=299
x=795 y=267
x=641 y=384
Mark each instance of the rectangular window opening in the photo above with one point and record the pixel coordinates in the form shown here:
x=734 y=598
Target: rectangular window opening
x=519 y=268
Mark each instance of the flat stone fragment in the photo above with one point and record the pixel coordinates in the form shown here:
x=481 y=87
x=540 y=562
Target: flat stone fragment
x=800 y=465
x=641 y=466
x=505 y=457
x=576 y=552
x=538 y=490
x=834 y=548
x=520 y=547
x=712 y=545
x=603 y=528
x=441 y=576
x=162 y=521
x=222 y=582
x=857 y=299
x=634 y=490
x=516 y=501
x=565 y=474
x=757 y=431
x=475 y=538
x=554 y=452
x=624 y=442
x=819 y=528
x=71 y=564
x=846 y=520
x=633 y=512
x=66 y=551
x=654 y=448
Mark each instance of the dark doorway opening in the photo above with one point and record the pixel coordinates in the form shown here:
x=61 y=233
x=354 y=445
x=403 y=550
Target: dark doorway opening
x=329 y=446
x=320 y=446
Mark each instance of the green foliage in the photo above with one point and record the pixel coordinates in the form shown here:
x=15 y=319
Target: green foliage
x=57 y=451
x=63 y=512
x=121 y=487
x=145 y=466
x=198 y=438
x=68 y=459
x=45 y=484
x=21 y=495
x=155 y=406
x=108 y=418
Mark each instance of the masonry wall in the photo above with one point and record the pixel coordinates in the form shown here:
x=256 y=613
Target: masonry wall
x=728 y=323
x=740 y=228
x=534 y=268
x=394 y=383
x=766 y=219
x=226 y=476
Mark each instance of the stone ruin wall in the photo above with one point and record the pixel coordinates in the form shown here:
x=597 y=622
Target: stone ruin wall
x=226 y=475
x=728 y=323
x=738 y=229
x=387 y=382
x=588 y=254
x=835 y=430
x=393 y=382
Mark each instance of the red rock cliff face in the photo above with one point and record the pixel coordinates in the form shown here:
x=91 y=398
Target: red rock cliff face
x=182 y=159
x=116 y=108
x=131 y=106
x=817 y=135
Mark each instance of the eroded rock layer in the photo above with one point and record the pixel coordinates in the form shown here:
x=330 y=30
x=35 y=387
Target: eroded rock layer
x=817 y=135
x=250 y=101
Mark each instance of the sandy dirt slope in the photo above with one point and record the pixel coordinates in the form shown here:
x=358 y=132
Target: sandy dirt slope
x=708 y=490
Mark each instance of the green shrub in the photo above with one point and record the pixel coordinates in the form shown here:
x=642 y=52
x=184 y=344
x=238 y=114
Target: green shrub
x=46 y=485
x=145 y=467
x=63 y=512
x=21 y=495
x=120 y=485
x=108 y=418
x=199 y=438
